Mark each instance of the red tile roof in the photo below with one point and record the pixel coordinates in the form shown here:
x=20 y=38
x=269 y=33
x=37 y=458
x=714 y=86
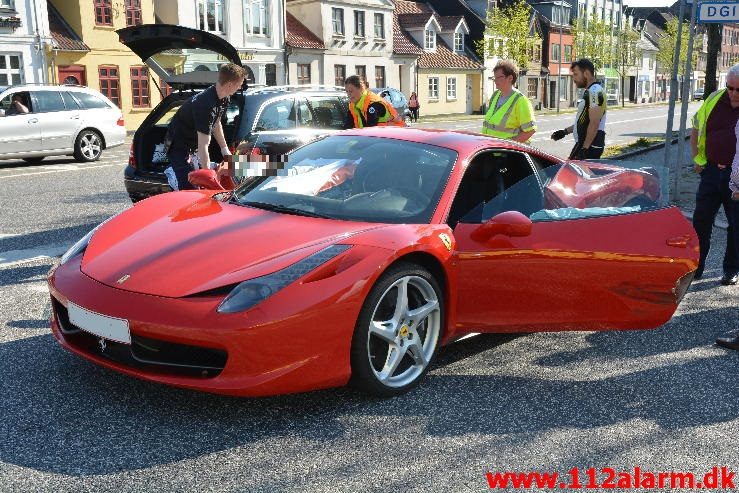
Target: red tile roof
x=446 y=58
x=409 y=7
x=403 y=44
x=64 y=37
x=299 y=36
x=410 y=21
x=449 y=22
x=408 y=15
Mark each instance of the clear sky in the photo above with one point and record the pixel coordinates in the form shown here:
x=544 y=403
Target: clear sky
x=648 y=3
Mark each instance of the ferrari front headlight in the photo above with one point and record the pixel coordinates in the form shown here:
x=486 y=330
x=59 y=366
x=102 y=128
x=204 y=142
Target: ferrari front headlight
x=81 y=244
x=254 y=291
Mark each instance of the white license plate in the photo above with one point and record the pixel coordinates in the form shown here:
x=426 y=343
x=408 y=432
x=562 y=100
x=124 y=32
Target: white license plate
x=115 y=329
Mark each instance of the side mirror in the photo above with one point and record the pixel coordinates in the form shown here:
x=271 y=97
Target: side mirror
x=508 y=223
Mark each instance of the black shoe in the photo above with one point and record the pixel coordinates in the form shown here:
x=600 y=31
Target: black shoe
x=729 y=342
x=730 y=279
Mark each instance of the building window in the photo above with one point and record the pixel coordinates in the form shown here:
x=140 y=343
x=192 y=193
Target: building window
x=337 y=18
x=339 y=74
x=210 y=15
x=380 y=26
x=568 y=53
x=555 y=52
x=651 y=63
x=10 y=70
x=133 y=13
x=359 y=23
x=451 y=88
x=430 y=40
x=563 y=83
x=532 y=88
x=103 y=12
x=379 y=76
x=7 y=4
x=140 y=87
x=304 y=73
x=361 y=71
x=270 y=74
x=458 y=42
x=433 y=88
x=110 y=83
x=256 y=17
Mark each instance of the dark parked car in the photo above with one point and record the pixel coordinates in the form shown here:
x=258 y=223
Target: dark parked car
x=276 y=119
x=396 y=98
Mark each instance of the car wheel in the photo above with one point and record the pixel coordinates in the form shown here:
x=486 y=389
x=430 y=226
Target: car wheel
x=32 y=160
x=88 y=147
x=398 y=330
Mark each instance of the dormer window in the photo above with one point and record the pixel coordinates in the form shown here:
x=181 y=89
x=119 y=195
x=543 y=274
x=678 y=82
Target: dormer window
x=458 y=42
x=430 y=40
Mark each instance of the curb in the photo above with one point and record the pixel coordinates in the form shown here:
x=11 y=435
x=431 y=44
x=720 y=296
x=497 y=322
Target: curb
x=643 y=150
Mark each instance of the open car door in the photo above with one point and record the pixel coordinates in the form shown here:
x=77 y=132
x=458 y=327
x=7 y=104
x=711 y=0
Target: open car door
x=617 y=259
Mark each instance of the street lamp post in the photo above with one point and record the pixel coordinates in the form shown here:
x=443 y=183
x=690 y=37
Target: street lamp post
x=559 y=67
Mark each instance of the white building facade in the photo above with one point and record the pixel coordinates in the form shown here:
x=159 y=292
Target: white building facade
x=256 y=28
x=24 y=38
x=358 y=40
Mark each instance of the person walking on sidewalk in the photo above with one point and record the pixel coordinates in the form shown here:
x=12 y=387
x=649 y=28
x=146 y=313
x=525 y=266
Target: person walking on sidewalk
x=414 y=106
x=589 y=128
x=510 y=114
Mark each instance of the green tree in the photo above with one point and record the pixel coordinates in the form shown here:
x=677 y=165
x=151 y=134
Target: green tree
x=594 y=39
x=507 y=33
x=667 y=43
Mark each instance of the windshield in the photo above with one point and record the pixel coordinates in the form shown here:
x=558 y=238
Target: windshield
x=354 y=178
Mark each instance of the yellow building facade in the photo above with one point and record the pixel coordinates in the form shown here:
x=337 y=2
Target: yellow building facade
x=87 y=51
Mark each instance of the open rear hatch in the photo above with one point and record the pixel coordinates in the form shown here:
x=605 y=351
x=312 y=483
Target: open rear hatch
x=184 y=58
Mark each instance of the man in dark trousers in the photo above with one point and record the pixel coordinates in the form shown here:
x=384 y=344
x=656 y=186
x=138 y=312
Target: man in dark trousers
x=713 y=145
x=192 y=126
x=589 y=128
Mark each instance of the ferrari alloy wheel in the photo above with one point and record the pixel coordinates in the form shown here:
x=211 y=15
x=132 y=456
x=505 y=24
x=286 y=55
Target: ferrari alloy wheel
x=88 y=147
x=398 y=331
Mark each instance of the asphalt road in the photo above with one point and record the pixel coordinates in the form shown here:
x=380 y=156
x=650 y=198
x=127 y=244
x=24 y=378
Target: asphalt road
x=622 y=125
x=661 y=400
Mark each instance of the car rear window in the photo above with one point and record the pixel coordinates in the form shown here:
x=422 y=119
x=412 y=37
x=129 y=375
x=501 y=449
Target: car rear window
x=90 y=101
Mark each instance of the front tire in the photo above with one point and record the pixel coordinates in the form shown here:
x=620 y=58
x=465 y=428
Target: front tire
x=88 y=147
x=398 y=331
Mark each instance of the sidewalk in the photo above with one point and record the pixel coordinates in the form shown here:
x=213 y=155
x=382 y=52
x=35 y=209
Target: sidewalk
x=544 y=111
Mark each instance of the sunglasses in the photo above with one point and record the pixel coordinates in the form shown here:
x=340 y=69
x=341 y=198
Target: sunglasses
x=732 y=89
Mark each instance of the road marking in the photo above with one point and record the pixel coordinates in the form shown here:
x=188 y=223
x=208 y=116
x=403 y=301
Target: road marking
x=2 y=236
x=12 y=258
x=64 y=170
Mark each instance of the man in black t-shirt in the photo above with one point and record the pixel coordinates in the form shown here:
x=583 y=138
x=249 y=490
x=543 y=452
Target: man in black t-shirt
x=192 y=126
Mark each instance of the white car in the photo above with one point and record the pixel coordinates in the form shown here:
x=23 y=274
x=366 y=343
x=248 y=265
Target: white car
x=48 y=120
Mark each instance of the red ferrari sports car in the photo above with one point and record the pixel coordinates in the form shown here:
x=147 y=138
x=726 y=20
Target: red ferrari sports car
x=356 y=259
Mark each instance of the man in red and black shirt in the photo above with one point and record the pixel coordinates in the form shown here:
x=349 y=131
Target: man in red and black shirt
x=713 y=145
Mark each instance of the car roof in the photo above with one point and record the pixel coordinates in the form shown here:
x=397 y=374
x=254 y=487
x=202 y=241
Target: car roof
x=464 y=143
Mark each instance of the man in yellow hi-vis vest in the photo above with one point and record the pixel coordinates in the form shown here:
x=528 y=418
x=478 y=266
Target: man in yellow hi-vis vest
x=713 y=144
x=510 y=115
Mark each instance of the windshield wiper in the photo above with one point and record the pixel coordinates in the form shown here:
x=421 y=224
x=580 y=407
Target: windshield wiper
x=281 y=208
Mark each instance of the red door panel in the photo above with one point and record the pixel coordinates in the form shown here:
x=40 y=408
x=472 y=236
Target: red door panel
x=585 y=274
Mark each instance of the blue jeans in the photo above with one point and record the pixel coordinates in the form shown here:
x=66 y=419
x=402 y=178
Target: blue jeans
x=179 y=161
x=713 y=192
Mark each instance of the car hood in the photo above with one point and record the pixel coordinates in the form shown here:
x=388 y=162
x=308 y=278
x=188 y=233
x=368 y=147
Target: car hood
x=179 y=244
x=148 y=40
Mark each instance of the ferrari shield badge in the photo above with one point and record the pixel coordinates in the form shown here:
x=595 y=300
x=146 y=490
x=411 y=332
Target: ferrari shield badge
x=446 y=241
